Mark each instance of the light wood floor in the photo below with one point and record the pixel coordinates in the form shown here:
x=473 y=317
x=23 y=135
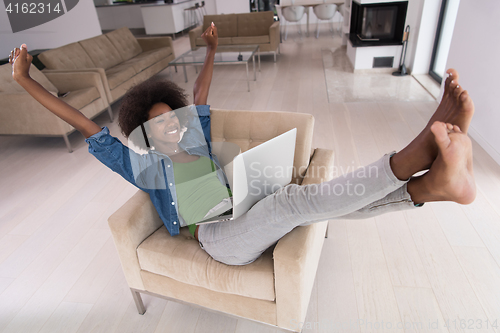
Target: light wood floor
x=59 y=270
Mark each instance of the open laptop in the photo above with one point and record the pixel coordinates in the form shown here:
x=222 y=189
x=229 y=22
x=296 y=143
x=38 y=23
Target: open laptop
x=257 y=172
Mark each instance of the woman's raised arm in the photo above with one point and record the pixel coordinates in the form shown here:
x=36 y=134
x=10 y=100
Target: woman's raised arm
x=21 y=61
x=202 y=84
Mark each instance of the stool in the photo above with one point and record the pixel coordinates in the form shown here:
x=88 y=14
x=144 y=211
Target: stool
x=192 y=16
x=203 y=9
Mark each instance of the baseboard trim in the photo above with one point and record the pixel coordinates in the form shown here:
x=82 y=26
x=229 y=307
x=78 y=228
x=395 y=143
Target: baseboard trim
x=495 y=155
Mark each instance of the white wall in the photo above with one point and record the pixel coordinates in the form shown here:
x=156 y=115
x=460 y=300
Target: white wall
x=232 y=6
x=79 y=23
x=474 y=53
x=414 y=19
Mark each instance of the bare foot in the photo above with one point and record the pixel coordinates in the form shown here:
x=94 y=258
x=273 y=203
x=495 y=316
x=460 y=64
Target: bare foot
x=450 y=177
x=456 y=108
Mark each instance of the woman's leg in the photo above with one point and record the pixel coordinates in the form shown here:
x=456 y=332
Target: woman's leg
x=360 y=193
x=244 y=239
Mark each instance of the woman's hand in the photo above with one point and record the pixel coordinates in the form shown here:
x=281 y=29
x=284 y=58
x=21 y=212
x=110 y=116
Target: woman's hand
x=211 y=37
x=20 y=60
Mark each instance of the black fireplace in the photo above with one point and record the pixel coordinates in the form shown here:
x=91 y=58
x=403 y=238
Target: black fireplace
x=377 y=24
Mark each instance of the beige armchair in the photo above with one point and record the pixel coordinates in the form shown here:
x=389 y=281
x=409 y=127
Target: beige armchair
x=21 y=114
x=276 y=288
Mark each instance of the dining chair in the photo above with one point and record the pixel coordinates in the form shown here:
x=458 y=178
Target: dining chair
x=324 y=12
x=293 y=14
x=340 y=9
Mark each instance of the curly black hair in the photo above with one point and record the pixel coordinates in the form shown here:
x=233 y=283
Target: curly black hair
x=135 y=105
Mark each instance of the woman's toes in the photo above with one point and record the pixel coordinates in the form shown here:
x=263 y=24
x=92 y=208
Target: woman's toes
x=457 y=91
x=452 y=72
x=439 y=129
x=466 y=100
x=451 y=87
x=456 y=129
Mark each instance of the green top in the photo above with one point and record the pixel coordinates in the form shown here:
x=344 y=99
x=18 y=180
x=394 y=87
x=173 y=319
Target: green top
x=198 y=190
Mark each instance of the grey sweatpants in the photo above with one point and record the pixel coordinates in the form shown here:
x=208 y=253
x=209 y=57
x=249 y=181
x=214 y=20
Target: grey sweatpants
x=366 y=192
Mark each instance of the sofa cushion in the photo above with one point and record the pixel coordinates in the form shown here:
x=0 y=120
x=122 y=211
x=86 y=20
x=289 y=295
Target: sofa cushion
x=146 y=59
x=226 y=24
x=222 y=41
x=82 y=97
x=124 y=42
x=71 y=56
x=118 y=74
x=101 y=51
x=7 y=83
x=250 y=40
x=182 y=259
x=254 y=24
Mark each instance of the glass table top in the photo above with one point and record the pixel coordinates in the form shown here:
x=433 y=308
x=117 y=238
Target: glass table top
x=224 y=54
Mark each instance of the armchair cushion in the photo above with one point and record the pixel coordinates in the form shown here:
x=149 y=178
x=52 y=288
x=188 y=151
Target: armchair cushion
x=182 y=259
x=248 y=129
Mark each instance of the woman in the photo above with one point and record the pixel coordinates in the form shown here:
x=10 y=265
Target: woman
x=442 y=148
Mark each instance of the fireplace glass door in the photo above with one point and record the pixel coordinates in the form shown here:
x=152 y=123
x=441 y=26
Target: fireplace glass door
x=378 y=23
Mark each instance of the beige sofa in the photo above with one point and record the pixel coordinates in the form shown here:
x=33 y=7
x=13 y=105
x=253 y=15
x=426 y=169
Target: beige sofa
x=121 y=59
x=21 y=114
x=276 y=288
x=241 y=29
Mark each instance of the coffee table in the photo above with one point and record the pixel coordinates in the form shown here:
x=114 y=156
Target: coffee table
x=225 y=55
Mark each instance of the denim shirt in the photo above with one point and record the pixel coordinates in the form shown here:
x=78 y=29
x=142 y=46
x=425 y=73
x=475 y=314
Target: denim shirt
x=159 y=168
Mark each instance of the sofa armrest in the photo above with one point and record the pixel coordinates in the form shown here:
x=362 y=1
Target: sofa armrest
x=152 y=43
x=22 y=114
x=296 y=256
x=274 y=35
x=101 y=72
x=68 y=81
x=130 y=225
x=193 y=34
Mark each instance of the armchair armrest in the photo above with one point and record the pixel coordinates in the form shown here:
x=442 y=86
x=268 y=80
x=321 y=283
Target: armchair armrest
x=22 y=114
x=70 y=81
x=274 y=35
x=130 y=225
x=193 y=34
x=100 y=71
x=296 y=255
x=320 y=167
x=152 y=43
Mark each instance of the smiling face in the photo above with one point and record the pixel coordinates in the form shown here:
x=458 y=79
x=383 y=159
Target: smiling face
x=164 y=126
